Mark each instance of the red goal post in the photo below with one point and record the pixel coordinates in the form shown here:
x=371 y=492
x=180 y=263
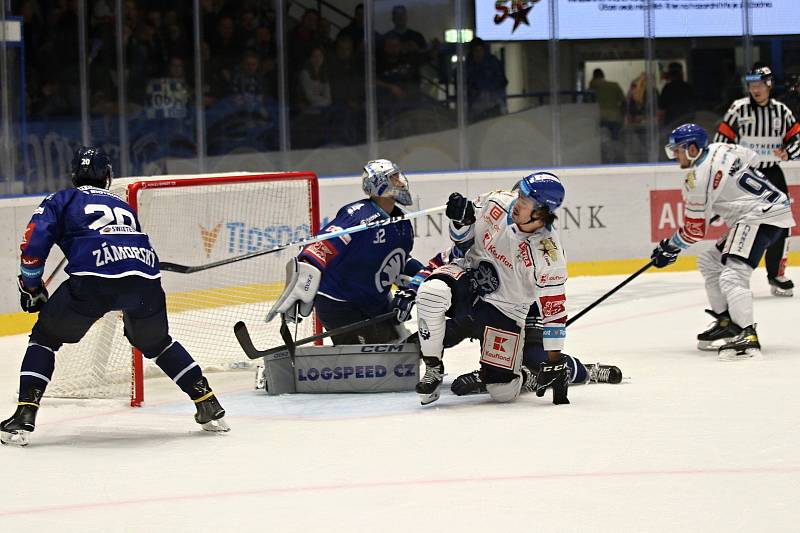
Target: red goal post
x=196 y=220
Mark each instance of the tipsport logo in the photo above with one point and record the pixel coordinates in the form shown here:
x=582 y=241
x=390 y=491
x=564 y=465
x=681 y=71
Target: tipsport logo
x=518 y=10
x=240 y=237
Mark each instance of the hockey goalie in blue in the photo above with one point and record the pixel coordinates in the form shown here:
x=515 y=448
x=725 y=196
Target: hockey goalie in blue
x=349 y=278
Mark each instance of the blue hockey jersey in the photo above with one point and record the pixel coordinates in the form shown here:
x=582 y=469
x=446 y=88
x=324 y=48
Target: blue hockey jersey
x=98 y=232
x=361 y=267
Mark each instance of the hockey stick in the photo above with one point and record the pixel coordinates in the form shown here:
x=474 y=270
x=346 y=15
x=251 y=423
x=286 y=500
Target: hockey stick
x=243 y=336
x=609 y=293
x=185 y=269
x=55 y=271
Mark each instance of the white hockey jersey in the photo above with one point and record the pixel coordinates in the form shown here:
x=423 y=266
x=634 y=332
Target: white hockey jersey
x=723 y=182
x=515 y=269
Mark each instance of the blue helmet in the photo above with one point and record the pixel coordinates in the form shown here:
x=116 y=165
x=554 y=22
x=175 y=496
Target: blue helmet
x=685 y=135
x=543 y=188
x=91 y=166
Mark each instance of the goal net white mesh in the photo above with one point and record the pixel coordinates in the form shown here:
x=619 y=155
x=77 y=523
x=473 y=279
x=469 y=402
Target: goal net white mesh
x=193 y=220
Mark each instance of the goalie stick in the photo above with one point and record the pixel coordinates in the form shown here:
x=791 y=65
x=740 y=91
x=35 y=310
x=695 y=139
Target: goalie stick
x=243 y=336
x=185 y=269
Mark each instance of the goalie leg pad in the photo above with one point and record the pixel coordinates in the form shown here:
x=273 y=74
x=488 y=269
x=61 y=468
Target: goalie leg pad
x=735 y=284
x=302 y=283
x=433 y=300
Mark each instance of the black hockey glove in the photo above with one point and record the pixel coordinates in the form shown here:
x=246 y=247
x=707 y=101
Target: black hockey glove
x=31 y=299
x=460 y=210
x=665 y=254
x=554 y=374
x=402 y=303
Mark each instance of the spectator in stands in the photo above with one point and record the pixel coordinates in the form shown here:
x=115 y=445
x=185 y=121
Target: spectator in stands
x=303 y=38
x=346 y=74
x=398 y=79
x=486 y=82
x=355 y=30
x=176 y=42
x=168 y=96
x=226 y=49
x=611 y=103
x=314 y=83
x=144 y=61
x=676 y=105
x=249 y=86
x=312 y=125
x=248 y=25
x=412 y=43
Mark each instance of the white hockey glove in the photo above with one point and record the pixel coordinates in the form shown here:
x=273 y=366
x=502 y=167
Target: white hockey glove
x=302 y=282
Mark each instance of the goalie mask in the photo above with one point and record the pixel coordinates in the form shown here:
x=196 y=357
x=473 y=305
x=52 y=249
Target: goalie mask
x=91 y=166
x=383 y=178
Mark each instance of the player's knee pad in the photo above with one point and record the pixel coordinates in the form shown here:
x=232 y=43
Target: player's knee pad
x=735 y=277
x=433 y=300
x=505 y=392
x=156 y=349
x=709 y=262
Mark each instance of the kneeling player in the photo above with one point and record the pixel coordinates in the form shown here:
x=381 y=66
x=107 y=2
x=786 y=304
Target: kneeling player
x=111 y=266
x=533 y=355
x=513 y=257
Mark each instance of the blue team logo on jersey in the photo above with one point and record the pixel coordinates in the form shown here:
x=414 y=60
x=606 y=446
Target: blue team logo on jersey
x=390 y=269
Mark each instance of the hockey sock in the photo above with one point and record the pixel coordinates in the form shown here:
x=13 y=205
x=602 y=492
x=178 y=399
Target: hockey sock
x=176 y=362
x=735 y=284
x=36 y=371
x=433 y=301
x=577 y=372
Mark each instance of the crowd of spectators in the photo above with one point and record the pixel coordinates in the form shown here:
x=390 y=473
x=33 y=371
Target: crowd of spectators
x=325 y=69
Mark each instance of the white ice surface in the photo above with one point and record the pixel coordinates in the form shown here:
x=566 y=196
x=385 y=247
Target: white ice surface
x=687 y=444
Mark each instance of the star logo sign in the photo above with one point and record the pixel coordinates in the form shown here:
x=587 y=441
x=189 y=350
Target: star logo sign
x=515 y=9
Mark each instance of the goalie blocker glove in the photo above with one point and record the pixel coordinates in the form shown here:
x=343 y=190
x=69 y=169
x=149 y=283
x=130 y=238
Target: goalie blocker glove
x=665 y=253
x=460 y=210
x=302 y=282
x=31 y=300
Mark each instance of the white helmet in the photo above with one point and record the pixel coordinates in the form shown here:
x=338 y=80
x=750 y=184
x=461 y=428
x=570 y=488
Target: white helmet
x=377 y=181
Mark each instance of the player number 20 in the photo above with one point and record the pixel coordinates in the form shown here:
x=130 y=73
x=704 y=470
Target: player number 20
x=120 y=216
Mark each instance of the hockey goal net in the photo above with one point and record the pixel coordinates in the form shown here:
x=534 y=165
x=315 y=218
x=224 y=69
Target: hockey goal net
x=194 y=220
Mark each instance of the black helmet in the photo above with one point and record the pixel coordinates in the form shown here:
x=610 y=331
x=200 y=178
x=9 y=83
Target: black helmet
x=91 y=166
x=760 y=74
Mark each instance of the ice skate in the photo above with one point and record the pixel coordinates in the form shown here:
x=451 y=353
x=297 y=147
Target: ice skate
x=781 y=286
x=719 y=333
x=743 y=346
x=16 y=430
x=469 y=383
x=210 y=414
x=431 y=382
x=603 y=374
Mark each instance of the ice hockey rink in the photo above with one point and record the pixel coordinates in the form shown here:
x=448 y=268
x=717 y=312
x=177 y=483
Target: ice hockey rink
x=685 y=443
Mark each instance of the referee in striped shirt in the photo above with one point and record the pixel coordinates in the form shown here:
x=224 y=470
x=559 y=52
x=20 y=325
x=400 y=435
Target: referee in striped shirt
x=769 y=128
